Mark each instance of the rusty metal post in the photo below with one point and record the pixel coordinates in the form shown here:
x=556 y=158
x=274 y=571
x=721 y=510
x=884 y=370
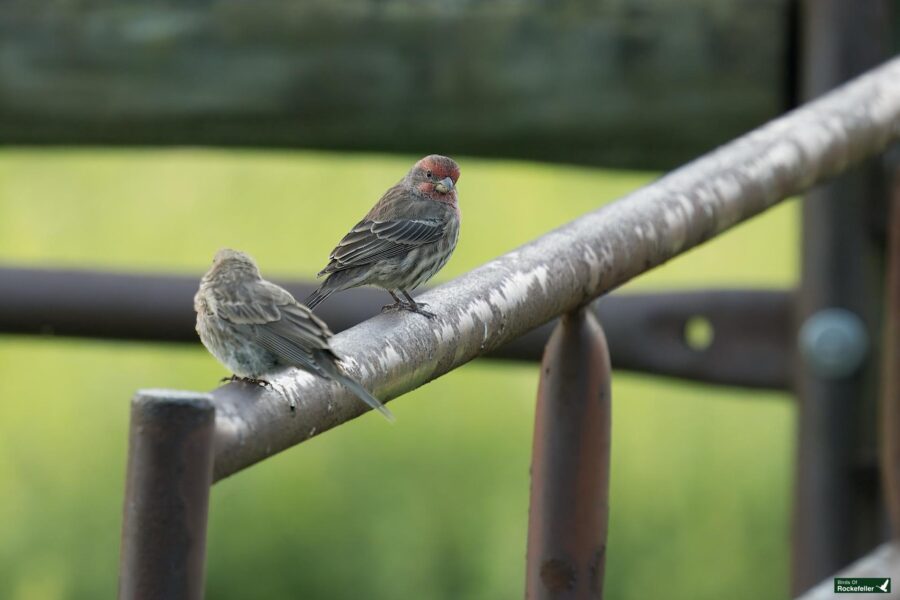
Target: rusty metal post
x=170 y=457
x=837 y=513
x=890 y=393
x=567 y=522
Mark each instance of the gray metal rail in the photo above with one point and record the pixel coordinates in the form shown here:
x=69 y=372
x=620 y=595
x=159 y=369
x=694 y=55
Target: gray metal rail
x=499 y=301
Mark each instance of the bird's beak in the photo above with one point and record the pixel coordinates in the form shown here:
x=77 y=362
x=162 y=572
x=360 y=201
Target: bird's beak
x=444 y=185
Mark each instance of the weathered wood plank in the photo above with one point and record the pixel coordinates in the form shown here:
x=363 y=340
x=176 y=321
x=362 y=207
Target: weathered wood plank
x=647 y=83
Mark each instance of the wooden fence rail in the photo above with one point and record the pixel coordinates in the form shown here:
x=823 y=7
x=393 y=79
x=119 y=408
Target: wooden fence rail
x=647 y=332
x=647 y=84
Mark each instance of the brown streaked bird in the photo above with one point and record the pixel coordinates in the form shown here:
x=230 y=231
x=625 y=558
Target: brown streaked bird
x=405 y=239
x=253 y=326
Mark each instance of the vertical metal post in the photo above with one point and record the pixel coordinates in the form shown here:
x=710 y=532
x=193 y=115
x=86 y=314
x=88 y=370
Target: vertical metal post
x=170 y=458
x=890 y=394
x=567 y=522
x=837 y=503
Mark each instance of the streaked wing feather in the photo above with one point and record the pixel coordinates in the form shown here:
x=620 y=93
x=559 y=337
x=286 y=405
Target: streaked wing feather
x=409 y=231
x=306 y=323
x=371 y=241
x=248 y=313
x=289 y=352
x=279 y=324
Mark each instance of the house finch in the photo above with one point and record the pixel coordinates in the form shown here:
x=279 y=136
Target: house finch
x=252 y=326
x=403 y=241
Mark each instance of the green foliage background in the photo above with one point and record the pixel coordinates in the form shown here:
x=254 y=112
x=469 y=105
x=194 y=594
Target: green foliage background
x=434 y=507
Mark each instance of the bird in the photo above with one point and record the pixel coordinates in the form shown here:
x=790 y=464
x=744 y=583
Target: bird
x=253 y=326
x=405 y=239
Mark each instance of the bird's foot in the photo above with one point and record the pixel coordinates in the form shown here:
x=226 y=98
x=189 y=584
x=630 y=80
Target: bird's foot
x=255 y=381
x=231 y=379
x=419 y=308
x=393 y=307
x=415 y=307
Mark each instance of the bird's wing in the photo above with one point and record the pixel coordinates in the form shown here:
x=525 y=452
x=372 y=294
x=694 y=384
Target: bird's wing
x=371 y=241
x=278 y=323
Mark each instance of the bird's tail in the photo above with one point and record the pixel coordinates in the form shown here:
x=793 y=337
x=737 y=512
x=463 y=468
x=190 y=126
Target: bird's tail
x=335 y=372
x=317 y=297
x=364 y=395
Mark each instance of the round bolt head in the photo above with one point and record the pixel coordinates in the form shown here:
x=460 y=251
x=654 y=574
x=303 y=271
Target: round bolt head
x=834 y=343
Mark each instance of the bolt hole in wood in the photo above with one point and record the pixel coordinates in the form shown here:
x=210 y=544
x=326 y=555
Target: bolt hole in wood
x=698 y=333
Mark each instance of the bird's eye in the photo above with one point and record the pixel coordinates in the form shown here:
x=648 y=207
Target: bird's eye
x=428 y=174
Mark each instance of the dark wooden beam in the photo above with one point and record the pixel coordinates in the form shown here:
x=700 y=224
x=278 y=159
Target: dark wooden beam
x=749 y=330
x=648 y=84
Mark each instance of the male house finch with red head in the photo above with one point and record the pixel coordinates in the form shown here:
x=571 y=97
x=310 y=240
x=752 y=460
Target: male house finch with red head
x=253 y=326
x=403 y=241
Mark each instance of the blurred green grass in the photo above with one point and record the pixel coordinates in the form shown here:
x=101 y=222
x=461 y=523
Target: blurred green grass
x=434 y=507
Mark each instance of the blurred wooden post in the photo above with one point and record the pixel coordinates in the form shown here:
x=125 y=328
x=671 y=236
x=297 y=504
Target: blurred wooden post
x=837 y=504
x=567 y=523
x=890 y=395
x=170 y=457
